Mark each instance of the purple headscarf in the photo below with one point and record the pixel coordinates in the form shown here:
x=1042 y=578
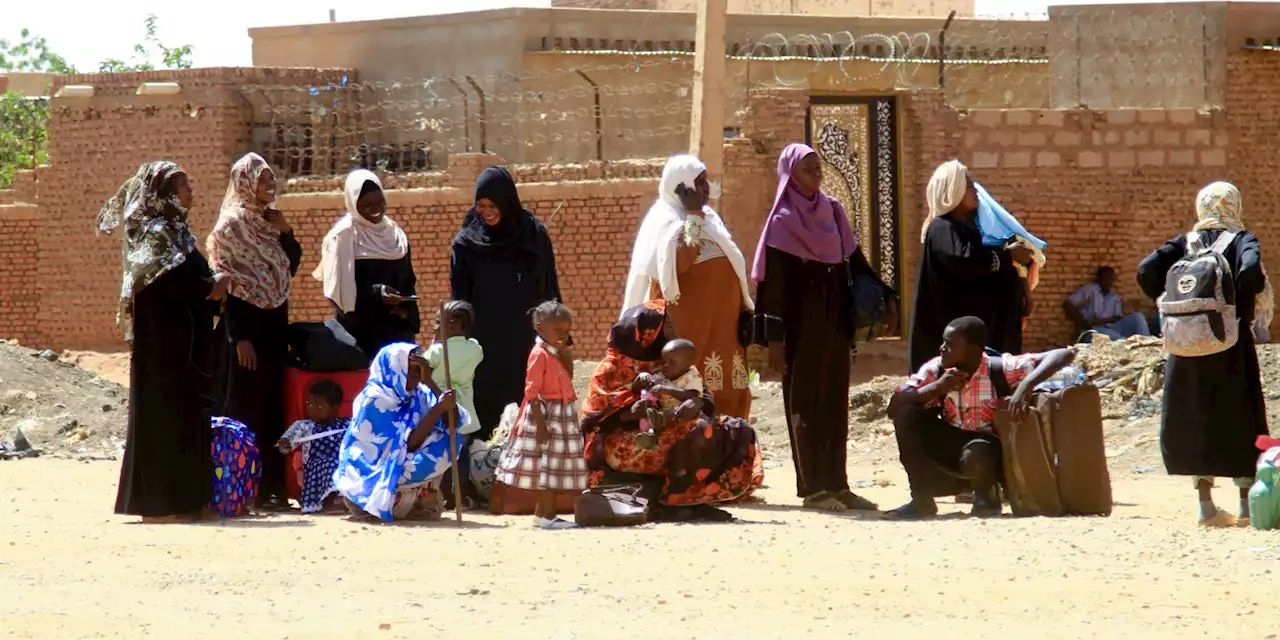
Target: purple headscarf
x=811 y=228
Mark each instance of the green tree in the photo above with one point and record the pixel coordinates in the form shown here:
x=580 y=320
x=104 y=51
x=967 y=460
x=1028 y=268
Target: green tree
x=150 y=54
x=31 y=53
x=23 y=139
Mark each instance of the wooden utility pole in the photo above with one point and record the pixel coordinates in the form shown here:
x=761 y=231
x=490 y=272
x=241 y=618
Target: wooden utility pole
x=706 y=129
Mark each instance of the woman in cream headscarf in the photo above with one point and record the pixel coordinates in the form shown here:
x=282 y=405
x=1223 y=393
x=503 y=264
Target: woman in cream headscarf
x=685 y=255
x=1214 y=409
x=367 y=270
x=960 y=275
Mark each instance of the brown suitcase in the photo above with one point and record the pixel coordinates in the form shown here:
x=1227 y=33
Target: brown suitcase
x=1055 y=460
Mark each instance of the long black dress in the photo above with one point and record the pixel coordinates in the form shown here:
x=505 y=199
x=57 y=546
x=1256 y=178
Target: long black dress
x=256 y=398
x=504 y=271
x=372 y=323
x=503 y=288
x=959 y=277
x=168 y=465
x=1214 y=409
x=808 y=303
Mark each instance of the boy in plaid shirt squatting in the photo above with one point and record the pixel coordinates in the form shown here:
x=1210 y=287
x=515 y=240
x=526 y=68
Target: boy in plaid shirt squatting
x=944 y=418
x=545 y=450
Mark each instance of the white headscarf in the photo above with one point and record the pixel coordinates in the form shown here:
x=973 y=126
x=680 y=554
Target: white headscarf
x=354 y=238
x=1219 y=206
x=654 y=255
x=946 y=190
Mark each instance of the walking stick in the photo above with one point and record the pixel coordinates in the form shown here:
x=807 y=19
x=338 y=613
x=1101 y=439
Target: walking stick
x=453 y=424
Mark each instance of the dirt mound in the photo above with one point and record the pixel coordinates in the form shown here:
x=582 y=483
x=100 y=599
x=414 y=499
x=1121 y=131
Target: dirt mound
x=61 y=409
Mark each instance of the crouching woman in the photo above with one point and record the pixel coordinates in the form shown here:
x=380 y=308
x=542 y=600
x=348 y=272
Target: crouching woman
x=398 y=441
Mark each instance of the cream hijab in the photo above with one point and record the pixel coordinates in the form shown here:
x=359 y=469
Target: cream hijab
x=654 y=256
x=1219 y=206
x=945 y=191
x=354 y=238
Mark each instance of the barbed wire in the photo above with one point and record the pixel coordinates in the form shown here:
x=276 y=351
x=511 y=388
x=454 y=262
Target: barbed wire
x=582 y=99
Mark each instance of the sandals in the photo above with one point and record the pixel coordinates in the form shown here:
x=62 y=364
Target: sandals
x=825 y=501
x=855 y=502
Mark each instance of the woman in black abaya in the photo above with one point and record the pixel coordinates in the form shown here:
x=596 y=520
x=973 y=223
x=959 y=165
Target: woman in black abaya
x=503 y=264
x=959 y=276
x=1214 y=408
x=166 y=312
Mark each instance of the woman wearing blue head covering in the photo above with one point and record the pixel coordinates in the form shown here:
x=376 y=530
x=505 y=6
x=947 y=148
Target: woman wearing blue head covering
x=971 y=264
x=398 y=440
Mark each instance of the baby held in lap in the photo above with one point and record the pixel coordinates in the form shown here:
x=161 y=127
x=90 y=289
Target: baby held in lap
x=677 y=381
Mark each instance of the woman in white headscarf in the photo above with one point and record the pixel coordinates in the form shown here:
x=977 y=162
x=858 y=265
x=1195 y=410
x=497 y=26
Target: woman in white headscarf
x=253 y=244
x=367 y=269
x=1214 y=409
x=684 y=254
x=959 y=275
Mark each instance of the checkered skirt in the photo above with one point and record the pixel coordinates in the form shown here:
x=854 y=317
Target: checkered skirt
x=560 y=466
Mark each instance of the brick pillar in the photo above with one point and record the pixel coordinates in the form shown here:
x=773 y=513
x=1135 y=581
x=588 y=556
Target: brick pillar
x=774 y=117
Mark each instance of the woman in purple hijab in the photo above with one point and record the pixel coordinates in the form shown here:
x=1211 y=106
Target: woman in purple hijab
x=804 y=267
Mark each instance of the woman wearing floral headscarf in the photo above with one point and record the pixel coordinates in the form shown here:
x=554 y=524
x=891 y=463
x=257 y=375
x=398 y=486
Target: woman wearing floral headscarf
x=167 y=318
x=685 y=255
x=701 y=459
x=1214 y=409
x=398 y=440
x=253 y=244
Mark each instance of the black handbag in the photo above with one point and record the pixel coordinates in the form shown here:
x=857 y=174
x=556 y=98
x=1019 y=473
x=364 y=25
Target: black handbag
x=869 y=308
x=751 y=329
x=611 y=506
x=314 y=346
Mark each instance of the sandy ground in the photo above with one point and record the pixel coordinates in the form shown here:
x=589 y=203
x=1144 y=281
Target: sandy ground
x=70 y=569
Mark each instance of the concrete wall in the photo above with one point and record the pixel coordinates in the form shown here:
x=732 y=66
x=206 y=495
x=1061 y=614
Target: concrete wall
x=537 y=107
x=29 y=84
x=816 y=7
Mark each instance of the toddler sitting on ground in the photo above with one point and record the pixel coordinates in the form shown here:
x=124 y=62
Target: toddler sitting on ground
x=320 y=438
x=677 y=381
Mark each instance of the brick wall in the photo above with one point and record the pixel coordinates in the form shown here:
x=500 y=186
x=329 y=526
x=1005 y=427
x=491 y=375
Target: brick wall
x=592 y=225
x=1101 y=187
x=96 y=143
x=19 y=277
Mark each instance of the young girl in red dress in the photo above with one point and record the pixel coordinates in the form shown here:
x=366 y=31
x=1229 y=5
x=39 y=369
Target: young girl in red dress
x=545 y=450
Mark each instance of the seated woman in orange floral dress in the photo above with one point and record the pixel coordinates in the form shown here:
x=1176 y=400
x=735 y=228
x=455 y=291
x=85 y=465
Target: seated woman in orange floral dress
x=700 y=460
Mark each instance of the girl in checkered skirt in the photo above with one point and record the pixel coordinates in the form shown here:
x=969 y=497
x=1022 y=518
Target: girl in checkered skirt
x=545 y=450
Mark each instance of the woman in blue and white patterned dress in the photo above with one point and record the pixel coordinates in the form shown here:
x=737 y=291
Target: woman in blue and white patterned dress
x=398 y=441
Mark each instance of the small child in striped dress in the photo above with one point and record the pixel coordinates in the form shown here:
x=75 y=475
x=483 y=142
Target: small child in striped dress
x=545 y=450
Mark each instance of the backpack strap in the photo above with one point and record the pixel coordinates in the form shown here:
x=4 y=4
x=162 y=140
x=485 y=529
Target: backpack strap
x=995 y=365
x=1224 y=240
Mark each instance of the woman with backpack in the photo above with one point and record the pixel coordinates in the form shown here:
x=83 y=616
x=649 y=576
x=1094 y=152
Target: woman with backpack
x=1214 y=409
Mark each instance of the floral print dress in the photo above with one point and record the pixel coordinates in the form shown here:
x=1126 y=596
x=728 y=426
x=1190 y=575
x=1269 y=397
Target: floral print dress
x=375 y=463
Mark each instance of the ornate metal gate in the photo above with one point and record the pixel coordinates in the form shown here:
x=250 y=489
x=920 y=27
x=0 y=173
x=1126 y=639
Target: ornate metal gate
x=857 y=140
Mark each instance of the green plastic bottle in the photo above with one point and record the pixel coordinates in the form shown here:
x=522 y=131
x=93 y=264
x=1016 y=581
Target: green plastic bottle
x=1264 y=497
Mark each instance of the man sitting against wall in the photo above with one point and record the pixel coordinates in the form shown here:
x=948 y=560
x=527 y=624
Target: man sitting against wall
x=1097 y=307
